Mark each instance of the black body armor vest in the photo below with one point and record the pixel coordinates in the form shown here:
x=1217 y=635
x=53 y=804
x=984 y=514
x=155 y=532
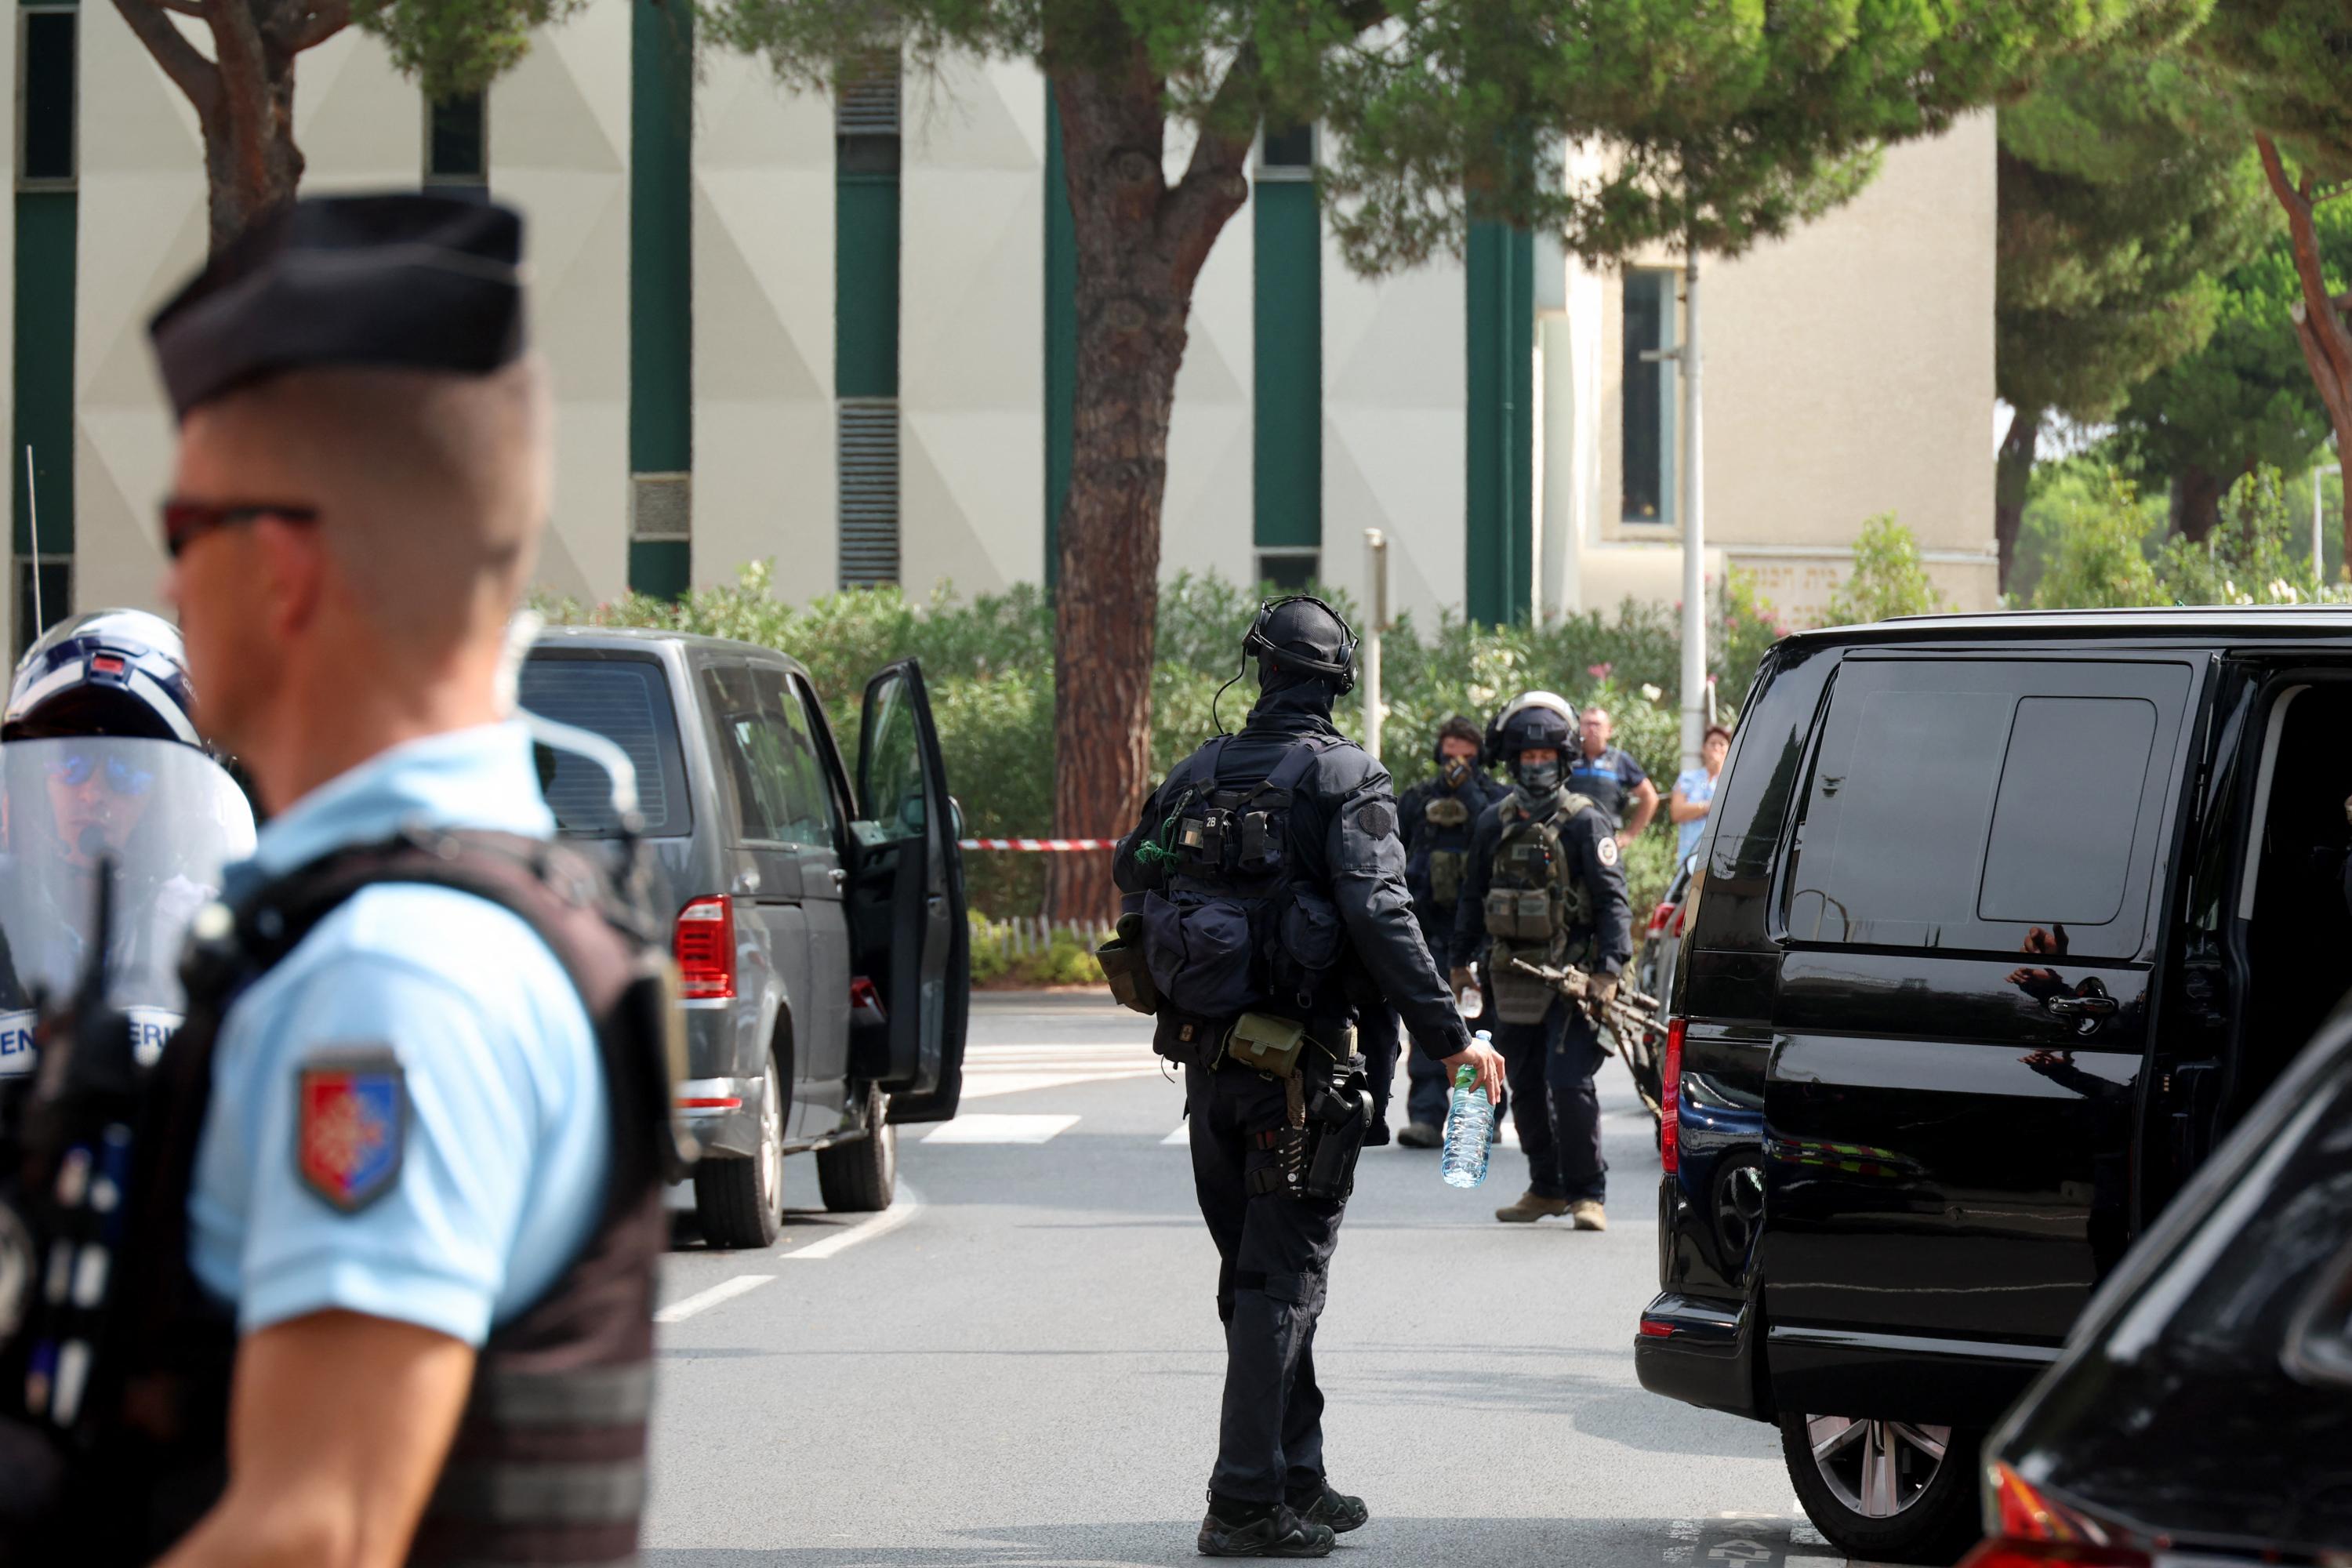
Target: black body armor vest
x=548 y=1462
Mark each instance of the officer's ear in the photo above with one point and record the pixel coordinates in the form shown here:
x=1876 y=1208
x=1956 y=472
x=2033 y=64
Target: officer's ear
x=293 y=572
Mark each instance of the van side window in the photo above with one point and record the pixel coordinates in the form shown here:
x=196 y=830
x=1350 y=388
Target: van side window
x=750 y=750
x=1970 y=803
x=812 y=725
x=799 y=778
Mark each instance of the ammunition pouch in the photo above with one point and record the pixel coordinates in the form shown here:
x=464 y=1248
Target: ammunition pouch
x=1265 y=1044
x=1519 y=997
x=1125 y=968
x=1519 y=914
x=1447 y=868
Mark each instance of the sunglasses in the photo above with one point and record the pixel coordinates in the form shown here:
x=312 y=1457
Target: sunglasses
x=77 y=768
x=185 y=521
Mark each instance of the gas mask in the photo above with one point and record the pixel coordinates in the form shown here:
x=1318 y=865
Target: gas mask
x=1537 y=781
x=1454 y=773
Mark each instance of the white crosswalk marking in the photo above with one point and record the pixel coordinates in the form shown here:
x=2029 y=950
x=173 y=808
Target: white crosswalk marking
x=998 y=1129
x=992 y=1070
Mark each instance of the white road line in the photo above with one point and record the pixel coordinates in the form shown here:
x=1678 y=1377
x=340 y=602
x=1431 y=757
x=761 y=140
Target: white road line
x=1182 y=1135
x=985 y=1086
x=902 y=1209
x=1001 y=1130
x=703 y=1301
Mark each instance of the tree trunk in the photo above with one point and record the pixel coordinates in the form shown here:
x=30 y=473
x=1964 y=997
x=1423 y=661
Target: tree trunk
x=2319 y=323
x=244 y=96
x=2012 y=475
x=2196 y=502
x=1141 y=244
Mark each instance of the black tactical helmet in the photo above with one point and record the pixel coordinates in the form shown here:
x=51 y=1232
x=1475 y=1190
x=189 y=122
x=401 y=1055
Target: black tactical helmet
x=108 y=672
x=1459 y=728
x=1532 y=718
x=1305 y=635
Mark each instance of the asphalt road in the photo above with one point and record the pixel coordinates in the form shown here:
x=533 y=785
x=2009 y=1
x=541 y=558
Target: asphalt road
x=1022 y=1364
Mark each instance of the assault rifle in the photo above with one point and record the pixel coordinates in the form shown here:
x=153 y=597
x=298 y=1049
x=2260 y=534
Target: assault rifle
x=1631 y=1025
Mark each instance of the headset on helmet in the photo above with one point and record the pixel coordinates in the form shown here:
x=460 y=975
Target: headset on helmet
x=1337 y=666
x=108 y=673
x=1531 y=719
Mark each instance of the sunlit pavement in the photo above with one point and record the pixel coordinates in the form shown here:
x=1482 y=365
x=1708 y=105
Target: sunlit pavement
x=1024 y=1367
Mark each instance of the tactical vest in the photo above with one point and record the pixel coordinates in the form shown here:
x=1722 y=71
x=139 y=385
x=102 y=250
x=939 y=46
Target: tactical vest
x=548 y=1462
x=1448 y=817
x=1241 y=927
x=1537 y=907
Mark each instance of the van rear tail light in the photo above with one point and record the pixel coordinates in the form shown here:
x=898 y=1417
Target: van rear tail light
x=1660 y=917
x=1670 y=1099
x=2038 y=1532
x=706 y=949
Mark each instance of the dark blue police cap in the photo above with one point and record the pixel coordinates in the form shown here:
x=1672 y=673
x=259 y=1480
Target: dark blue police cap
x=390 y=283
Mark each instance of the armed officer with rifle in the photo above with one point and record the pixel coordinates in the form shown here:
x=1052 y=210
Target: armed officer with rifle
x=1544 y=889
x=384 y=1220
x=1265 y=870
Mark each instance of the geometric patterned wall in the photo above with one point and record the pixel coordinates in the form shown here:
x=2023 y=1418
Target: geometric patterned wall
x=764 y=471
x=1207 y=520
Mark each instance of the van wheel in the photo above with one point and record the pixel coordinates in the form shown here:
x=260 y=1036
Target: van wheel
x=862 y=1177
x=740 y=1202
x=1886 y=1490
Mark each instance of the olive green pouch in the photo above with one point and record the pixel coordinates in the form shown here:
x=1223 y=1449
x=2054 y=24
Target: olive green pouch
x=1266 y=1044
x=1124 y=968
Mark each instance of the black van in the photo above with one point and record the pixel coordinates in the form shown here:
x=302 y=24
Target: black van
x=2002 y=922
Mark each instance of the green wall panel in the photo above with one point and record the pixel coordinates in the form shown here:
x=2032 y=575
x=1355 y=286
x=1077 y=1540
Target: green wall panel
x=662 y=567
x=866 y=286
x=43 y=381
x=1499 y=492
x=1287 y=407
x=661 y=241
x=1061 y=337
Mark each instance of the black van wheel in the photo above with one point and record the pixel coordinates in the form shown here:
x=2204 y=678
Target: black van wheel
x=1893 y=1490
x=740 y=1202
x=862 y=1177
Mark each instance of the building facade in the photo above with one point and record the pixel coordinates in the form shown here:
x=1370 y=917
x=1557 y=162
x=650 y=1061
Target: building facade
x=836 y=331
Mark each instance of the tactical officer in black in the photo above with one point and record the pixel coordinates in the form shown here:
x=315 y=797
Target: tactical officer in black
x=1544 y=885
x=1435 y=819
x=1264 y=871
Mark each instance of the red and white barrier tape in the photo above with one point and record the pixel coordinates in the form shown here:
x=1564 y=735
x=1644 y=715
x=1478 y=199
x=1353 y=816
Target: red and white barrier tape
x=1038 y=846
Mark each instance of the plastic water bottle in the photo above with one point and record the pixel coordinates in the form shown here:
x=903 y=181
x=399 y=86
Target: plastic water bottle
x=1470 y=1003
x=1469 y=1131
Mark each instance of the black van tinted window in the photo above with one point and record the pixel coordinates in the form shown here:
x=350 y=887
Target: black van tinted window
x=1961 y=803
x=626 y=700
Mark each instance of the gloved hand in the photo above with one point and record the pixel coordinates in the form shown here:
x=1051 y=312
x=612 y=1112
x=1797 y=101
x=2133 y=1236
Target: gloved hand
x=1602 y=989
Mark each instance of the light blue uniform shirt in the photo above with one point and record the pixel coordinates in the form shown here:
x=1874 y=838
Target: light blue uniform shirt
x=506 y=1144
x=1697 y=785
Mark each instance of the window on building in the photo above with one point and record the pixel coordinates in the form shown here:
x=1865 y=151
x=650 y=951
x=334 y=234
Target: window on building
x=1289 y=569
x=1288 y=151
x=869 y=491
x=457 y=142
x=1970 y=803
x=45 y=97
x=1647 y=452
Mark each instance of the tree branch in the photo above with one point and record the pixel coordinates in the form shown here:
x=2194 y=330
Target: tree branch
x=245 y=85
x=316 y=24
x=180 y=59
x=1213 y=187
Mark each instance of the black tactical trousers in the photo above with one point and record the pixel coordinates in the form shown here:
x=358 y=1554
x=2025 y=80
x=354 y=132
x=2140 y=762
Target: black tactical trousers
x=1273 y=1256
x=1554 y=1107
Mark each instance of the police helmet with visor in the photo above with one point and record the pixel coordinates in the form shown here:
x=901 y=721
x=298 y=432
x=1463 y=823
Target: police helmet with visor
x=107 y=672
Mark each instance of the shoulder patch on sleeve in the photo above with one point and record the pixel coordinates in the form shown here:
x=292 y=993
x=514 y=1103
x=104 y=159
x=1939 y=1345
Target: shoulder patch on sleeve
x=1376 y=818
x=1607 y=849
x=351 y=1123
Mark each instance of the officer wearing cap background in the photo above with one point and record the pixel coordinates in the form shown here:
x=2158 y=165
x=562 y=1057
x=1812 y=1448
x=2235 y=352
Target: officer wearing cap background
x=1265 y=870
x=1543 y=884
x=393 y=1240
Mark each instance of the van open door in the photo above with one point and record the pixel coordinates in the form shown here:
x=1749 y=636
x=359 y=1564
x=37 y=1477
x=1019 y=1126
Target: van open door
x=907 y=903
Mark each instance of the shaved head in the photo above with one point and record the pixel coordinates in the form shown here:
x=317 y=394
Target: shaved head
x=430 y=488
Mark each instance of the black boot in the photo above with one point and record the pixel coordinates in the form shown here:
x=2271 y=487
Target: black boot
x=1336 y=1511
x=1260 y=1529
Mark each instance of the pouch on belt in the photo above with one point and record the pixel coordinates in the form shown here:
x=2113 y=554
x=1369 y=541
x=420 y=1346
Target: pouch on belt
x=1265 y=1044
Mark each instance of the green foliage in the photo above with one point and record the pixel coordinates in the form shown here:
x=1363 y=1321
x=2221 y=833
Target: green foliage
x=458 y=48
x=1745 y=628
x=2246 y=397
x=2285 y=68
x=2060 y=490
x=988 y=666
x=1727 y=124
x=1887 y=579
x=2107 y=555
x=1005 y=959
x=2124 y=194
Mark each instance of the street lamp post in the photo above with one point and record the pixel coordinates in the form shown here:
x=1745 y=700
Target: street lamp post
x=1376 y=562
x=1695 y=692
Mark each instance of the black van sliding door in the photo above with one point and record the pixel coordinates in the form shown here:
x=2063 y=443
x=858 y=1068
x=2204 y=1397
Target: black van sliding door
x=1965 y=989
